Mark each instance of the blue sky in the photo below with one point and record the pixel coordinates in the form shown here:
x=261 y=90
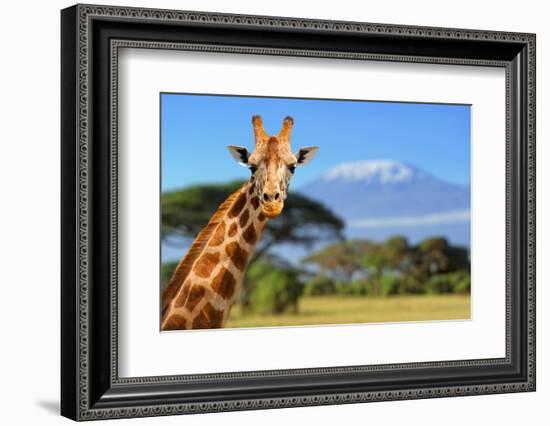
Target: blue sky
x=195 y=130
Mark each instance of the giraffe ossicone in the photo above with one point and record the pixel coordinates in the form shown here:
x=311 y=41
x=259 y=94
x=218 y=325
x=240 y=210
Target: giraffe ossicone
x=206 y=281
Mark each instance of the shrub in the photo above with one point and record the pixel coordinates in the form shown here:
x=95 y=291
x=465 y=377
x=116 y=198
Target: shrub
x=363 y=287
x=275 y=292
x=321 y=285
x=453 y=282
x=413 y=285
x=344 y=289
x=461 y=282
x=391 y=285
x=438 y=284
x=355 y=288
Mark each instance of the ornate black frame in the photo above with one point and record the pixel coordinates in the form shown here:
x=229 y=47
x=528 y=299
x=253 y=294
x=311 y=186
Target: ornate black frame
x=91 y=37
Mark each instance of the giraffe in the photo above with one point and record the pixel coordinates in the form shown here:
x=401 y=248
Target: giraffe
x=204 y=285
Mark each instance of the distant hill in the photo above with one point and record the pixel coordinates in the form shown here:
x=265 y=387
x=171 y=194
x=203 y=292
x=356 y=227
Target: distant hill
x=379 y=198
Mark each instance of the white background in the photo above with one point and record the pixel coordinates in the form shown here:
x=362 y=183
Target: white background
x=140 y=343
x=29 y=222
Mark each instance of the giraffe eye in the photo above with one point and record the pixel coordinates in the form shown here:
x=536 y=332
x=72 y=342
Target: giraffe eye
x=252 y=169
x=291 y=168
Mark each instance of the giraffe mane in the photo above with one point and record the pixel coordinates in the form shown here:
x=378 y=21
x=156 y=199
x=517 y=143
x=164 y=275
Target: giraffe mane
x=185 y=265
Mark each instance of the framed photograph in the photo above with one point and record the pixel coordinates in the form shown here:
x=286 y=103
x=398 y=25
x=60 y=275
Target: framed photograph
x=263 y=212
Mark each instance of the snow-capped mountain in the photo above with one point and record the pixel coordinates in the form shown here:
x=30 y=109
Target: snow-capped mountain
x=376 y=171
x=379 y=198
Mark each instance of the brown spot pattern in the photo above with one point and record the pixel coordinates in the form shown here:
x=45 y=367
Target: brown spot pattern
x=175 y=322
x=218 y=236
x=261 y=217
x=251 y=189
x=255 y=202
x=193 y=296
x=232 y=230
x=214 y=315
x=206 y=263
x=243 y=219
x=224 y=284
x=208 y=317
x=237 y=255
x=169 y=292
x=238 y=205
x=180 y=301
x=200 y=321
x=249 y=234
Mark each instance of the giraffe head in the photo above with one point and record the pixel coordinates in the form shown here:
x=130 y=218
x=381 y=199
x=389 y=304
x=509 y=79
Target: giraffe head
x=272 y=164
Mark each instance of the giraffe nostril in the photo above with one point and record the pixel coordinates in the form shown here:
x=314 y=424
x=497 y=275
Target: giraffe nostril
x=276 y=195
x=266 y=197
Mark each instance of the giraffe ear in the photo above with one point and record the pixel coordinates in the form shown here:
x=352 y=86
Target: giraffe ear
x=239 y=153
x=304 y=155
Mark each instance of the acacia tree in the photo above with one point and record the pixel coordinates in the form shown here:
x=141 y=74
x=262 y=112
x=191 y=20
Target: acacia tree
x=341 y=259
x=415 y=263
x=303 y=221
x=436 y=255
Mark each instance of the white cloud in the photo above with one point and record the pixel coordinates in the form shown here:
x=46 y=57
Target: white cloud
x=455 y=216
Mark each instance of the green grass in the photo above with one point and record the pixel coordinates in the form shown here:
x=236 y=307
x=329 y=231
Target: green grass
x=345 y=310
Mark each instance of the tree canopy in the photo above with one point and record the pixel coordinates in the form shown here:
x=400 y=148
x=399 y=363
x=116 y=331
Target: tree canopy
x=303 y=221
x=381 y=261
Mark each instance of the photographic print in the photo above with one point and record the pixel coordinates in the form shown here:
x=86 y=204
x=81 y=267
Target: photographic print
x=350 y=209
x=341 y=211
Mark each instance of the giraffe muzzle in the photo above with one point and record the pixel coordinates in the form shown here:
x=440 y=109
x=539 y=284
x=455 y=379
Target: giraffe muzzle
x=272 y=209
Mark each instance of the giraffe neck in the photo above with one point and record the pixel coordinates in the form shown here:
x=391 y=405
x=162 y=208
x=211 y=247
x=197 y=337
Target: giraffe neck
x=206 y=281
